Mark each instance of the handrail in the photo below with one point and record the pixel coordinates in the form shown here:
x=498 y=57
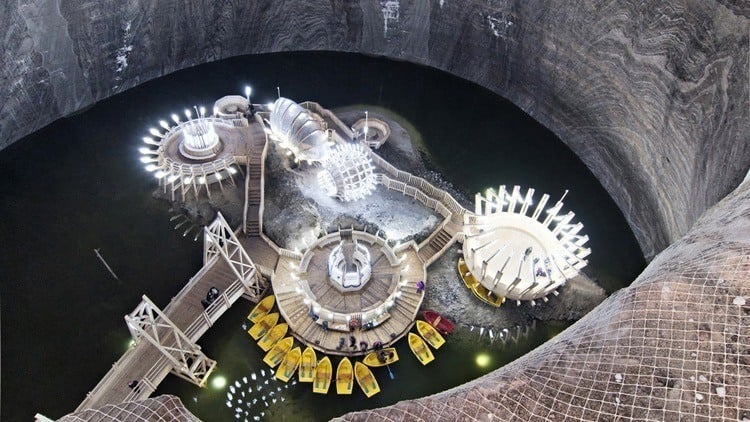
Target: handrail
x=426 y=187
x=247 y=199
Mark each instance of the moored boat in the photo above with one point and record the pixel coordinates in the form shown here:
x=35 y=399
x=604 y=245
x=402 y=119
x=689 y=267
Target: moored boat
x=261 y=309
x=366 y=379
x=466 y=275
x=487 y=296
x=307 y=365
x=278 y=351
x=261 y=327
x=443 y=325
x=289 y=365
x=322 y=378
x=420 y=349
x=381 y=357
x=272 y=336
x=430 y=334
x=344 y=377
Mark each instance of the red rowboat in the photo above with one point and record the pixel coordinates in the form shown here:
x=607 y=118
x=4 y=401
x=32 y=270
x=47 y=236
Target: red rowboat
x=436 y=320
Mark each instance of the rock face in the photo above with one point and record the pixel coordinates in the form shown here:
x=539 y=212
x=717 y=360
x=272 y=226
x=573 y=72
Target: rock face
x=671 y=346
x=652 y=95
x=161 y=408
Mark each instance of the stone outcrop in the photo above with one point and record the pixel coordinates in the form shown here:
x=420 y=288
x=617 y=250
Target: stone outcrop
x=653 y=96
x=672 y=346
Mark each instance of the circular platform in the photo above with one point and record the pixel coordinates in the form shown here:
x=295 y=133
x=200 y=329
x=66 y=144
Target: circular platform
x=327 y=318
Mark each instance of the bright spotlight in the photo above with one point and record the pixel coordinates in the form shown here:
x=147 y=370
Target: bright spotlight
x=218 y=382
x=203 y=111
x=176 y=118
x=248 y=91
x=155 y=132
x=232 y=170
x=482 y=360
x=151 y=168
x=188 y=113
x=164 y=124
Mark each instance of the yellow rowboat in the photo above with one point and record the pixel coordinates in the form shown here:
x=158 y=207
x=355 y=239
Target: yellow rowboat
x=430 y=334
x=307 y=365
x=261 y=309
x=463 y=270
x=344 y=377
x=272 y=336
x=420 y=349
x=366 y=379
x=381 y=357
x=487 y=296
x=322 y=379
x=276 y=355
x=289 y=365
x=261 y=327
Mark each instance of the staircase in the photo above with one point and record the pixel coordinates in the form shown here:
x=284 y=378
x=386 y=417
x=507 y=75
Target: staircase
x=253 y=193
x=435 y=244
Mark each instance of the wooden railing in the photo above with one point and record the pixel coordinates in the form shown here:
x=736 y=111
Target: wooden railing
x=394 y=174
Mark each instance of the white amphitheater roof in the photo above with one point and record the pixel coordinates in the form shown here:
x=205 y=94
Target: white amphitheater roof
x=297 y=129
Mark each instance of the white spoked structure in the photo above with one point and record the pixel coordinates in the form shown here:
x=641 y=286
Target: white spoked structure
x=190 y=153
x=520 y=256
x=348 y=173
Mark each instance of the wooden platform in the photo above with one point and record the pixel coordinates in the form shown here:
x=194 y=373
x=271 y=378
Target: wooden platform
x=288 y=283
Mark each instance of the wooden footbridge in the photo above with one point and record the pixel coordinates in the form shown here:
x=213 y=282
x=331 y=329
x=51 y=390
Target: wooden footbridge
x=164 y=340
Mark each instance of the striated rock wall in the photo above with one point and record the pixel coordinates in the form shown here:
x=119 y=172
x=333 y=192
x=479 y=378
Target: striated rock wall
x=672 y=346
x=652 y=95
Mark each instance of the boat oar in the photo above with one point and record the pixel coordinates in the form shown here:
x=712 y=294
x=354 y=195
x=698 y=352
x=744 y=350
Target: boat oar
x=390 y=374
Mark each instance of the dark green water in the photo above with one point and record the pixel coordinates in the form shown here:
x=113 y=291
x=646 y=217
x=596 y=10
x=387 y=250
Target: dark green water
x=78 y=185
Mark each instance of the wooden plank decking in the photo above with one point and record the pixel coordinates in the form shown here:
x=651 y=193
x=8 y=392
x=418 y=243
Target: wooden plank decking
x=288 y=283
x=143 y=361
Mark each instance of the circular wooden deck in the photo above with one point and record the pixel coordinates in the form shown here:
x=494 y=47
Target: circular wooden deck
x=306 y=297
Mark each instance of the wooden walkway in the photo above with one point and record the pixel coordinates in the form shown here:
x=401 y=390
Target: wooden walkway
x=147 y=364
